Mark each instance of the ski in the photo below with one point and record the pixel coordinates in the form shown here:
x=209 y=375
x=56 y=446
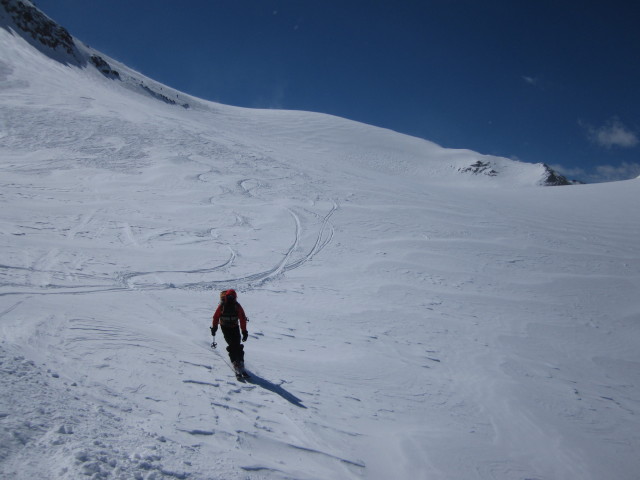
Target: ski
x=241 y=373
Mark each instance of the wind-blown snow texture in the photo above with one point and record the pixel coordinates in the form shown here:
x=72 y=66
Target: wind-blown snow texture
x=413 y=315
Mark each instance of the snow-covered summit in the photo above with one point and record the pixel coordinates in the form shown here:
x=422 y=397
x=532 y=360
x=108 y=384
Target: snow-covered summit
x=415 y=311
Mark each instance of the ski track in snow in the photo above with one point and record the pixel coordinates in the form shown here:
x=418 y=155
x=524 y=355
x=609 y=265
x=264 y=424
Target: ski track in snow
x=42 y=271
x=407 y=321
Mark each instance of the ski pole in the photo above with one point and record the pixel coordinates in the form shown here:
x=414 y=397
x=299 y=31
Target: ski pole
x=213 y=339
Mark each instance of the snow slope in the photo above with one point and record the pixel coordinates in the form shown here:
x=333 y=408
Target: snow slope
x=412 y=316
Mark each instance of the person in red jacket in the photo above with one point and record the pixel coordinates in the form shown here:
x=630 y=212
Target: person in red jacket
x=232 y=320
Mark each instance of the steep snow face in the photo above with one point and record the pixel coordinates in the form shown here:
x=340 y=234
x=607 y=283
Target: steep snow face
x=409 y=318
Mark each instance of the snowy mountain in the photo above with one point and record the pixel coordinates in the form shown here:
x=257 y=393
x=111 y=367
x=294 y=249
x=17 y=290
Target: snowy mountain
x=415 y=312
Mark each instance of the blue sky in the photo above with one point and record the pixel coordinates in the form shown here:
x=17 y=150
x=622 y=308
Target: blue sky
x=539 y=81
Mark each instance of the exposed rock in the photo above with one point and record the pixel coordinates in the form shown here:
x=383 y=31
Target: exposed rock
x=103 y=67
x=162 y=97
x=554 y=179
x=479 y=168
x=40 y=27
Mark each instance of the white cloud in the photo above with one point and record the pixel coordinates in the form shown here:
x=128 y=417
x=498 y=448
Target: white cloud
x=572 y=173
x=530 y=80
x=624 y=171
x=612 y=134
x=601 y=173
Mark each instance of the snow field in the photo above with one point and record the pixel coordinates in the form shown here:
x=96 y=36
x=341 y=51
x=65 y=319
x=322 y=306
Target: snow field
x=406 y=320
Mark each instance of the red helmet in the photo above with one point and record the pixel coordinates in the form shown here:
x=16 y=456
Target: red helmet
x=231 y=293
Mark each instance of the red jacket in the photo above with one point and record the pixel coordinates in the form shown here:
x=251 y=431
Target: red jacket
x=241 y=316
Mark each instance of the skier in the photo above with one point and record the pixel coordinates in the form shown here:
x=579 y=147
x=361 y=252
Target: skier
x=232 y=319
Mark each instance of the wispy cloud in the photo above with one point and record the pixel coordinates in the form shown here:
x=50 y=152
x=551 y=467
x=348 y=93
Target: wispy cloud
x=573 y=173
x=274 y=98
x=612 y=134
x=623 y=171
x=533 y=81
x=601 y=173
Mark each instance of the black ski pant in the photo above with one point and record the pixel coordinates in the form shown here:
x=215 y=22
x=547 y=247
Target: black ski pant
x=234 y=345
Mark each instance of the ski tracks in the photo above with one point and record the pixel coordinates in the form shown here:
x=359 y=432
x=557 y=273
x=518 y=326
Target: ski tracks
x=128 y=279
x=324 y=236
x=285 y=265
x=322 y=239
x=42 y=272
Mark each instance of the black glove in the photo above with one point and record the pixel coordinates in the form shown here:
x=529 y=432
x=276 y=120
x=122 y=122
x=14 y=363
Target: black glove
x=245 y=335
x=213 y=330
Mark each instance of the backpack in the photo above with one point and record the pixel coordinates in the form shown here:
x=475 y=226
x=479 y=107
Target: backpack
x=229 y=312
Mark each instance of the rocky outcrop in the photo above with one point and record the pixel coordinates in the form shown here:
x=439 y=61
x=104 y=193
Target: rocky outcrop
x=39 y=27
x=479 y=168
x=548 y=176
x=553 y=178
x=103 y=67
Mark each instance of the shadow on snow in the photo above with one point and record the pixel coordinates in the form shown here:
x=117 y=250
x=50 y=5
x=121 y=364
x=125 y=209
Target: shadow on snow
x=277 y=389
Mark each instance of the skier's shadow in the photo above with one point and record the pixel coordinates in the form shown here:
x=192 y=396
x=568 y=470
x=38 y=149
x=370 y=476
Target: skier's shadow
x=277 y=389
